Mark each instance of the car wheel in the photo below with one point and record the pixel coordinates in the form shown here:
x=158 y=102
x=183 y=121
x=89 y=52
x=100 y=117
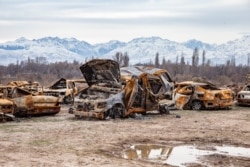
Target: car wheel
x=69 y=100
x=197 y=105
x=116 y=111
x=164 y=109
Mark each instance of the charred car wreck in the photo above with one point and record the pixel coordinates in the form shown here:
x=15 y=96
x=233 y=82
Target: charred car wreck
x=147 y=89
x=64 y=89
x=23 y=103
x=6 y=105
x=33 y=87
x=28 y=104
x=106 y=96
x=243 y=96
x=201 y=95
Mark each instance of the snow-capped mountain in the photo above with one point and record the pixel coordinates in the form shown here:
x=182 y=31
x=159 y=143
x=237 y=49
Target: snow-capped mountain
x=139 y=50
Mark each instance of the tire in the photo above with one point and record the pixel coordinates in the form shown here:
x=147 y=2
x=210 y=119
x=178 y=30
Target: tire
x=116 y=111
x=197 y=105
x=163 y=109
x=69 y=100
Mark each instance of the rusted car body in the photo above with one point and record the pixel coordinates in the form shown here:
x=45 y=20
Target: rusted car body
x=202 y=95
x=64 y=89
x=147 y=89
x=107 y=97
x=243 y=96
x=104 y=96
x=29 y=104
x=33 y=87
x=6 y=105
x=159 y=80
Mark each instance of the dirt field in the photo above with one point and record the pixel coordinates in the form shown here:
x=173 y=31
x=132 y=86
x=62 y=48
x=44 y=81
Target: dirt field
x=63 y=140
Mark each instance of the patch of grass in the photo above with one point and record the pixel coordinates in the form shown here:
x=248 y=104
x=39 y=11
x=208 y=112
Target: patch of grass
x=45 y=119
x=248 y=117
x=8 y=127
x=40 y=143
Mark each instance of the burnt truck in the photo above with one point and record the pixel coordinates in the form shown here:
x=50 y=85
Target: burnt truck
x=202 y=95
x=107 y=96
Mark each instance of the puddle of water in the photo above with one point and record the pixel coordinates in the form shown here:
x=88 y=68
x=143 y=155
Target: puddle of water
x=180 y=155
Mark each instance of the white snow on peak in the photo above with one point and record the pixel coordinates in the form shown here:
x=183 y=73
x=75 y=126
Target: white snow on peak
x=139 y=50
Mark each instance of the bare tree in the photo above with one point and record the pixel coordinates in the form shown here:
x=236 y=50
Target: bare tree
x=233 y=61
x=195 y=58
x=126 y=60
x=163 y=64
x=123 y=60
x=157 y=63
x=118 y=57
x=248 y=59
x=203 y=57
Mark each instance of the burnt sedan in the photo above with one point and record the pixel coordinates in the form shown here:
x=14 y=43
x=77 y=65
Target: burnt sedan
x=243 y=96
x=26 y=103
x=202 y=95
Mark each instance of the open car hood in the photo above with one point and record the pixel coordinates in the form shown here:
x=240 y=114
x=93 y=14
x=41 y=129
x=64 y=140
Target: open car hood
x=101 y=71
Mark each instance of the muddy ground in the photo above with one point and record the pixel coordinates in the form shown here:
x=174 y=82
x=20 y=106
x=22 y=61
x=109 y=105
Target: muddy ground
x=63 y=140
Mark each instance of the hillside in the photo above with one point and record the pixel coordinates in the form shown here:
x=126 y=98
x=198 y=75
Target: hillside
x=140 y=50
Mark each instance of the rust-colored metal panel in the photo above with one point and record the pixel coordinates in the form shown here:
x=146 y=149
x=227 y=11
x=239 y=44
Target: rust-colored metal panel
x=6 y=105
x=200 y=95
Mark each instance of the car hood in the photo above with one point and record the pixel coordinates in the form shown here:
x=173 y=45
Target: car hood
x=101 y=71
x=244 y=92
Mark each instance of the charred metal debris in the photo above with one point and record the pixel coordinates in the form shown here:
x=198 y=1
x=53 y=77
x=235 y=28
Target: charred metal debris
x=113 y=92
x=108 y=91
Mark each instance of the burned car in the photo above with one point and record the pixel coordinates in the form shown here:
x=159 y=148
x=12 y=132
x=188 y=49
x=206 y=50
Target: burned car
x=107 y=96
x=160 y=81
x=243 y=96
x=64 y=89
x=147 y=89
x=104 y=96
x=201 y=95
x=33 y=87
x=6 y=105
x=29 y=104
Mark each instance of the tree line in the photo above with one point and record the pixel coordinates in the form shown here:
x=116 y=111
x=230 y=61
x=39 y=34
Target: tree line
x=40 y=70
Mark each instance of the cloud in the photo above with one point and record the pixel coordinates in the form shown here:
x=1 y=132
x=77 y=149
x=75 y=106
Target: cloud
x=153 y=17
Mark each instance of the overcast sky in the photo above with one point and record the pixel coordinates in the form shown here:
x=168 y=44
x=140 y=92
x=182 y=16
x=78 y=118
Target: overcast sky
x=99 y=21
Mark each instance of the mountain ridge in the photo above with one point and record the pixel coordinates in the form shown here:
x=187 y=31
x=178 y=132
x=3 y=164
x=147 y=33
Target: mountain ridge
x=139 y=50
